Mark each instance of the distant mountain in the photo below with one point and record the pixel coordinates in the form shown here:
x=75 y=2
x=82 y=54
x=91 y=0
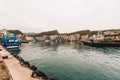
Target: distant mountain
x=53 y=32
x=81 y=32
x=96 y=32
x=30 y=34
x=115 y=30
x=15 y=31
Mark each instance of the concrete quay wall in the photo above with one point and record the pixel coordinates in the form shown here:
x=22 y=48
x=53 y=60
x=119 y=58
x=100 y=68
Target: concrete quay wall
x=16 y=71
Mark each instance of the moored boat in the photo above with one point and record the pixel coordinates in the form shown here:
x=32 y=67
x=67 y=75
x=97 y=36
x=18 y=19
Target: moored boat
x=11 y=41
x=101 y=44
x=106 y=42
x=108 y=39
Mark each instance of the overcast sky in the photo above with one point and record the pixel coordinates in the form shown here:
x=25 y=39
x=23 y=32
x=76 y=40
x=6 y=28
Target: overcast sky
x=63 y=15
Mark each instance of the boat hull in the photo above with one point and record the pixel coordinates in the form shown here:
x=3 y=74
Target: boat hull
x=101 y=44
x=13 y=45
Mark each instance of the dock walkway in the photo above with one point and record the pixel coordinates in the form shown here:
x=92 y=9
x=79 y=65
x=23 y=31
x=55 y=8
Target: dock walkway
x=15 y=69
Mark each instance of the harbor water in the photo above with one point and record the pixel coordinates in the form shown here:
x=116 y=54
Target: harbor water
x=73 y=61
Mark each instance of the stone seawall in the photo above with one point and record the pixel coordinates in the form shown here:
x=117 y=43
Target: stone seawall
x=14 y=70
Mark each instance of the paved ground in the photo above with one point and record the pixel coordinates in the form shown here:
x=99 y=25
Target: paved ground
x=16 y=70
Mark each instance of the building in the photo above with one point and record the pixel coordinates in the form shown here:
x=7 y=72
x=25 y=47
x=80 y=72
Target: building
x=29 y=38
x=112 y=35
x=39 y=38
x=84 y=37
x=4 y=31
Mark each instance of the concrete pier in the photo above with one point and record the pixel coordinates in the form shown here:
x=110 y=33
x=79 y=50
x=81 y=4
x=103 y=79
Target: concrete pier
x=16 y=71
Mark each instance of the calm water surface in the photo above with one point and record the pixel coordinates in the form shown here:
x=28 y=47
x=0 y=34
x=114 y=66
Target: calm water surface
x=73 y=62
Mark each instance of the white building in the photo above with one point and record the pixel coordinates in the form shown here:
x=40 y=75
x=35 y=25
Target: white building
x=4 y=31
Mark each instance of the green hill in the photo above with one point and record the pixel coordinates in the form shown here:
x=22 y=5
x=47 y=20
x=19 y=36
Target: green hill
x=15 y=31
x=53 y=32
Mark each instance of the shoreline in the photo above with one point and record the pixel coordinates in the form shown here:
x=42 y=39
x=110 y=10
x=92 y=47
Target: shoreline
x=15 y=69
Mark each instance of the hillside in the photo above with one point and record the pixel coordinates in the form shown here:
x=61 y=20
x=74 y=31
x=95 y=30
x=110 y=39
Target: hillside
x=53 y=32
x=15 y=31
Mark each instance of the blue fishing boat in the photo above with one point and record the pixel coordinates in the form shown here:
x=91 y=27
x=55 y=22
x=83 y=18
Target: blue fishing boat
x=11 y=41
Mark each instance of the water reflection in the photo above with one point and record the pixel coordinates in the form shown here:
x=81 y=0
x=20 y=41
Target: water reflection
x=15 y=51
x=74 y=61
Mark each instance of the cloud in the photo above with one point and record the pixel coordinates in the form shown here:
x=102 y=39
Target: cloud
x=64 y=15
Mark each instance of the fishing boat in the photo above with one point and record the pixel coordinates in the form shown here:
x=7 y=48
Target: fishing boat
x=101 y=44
x=11 y=41
x=106 y=42
x=103 y=40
